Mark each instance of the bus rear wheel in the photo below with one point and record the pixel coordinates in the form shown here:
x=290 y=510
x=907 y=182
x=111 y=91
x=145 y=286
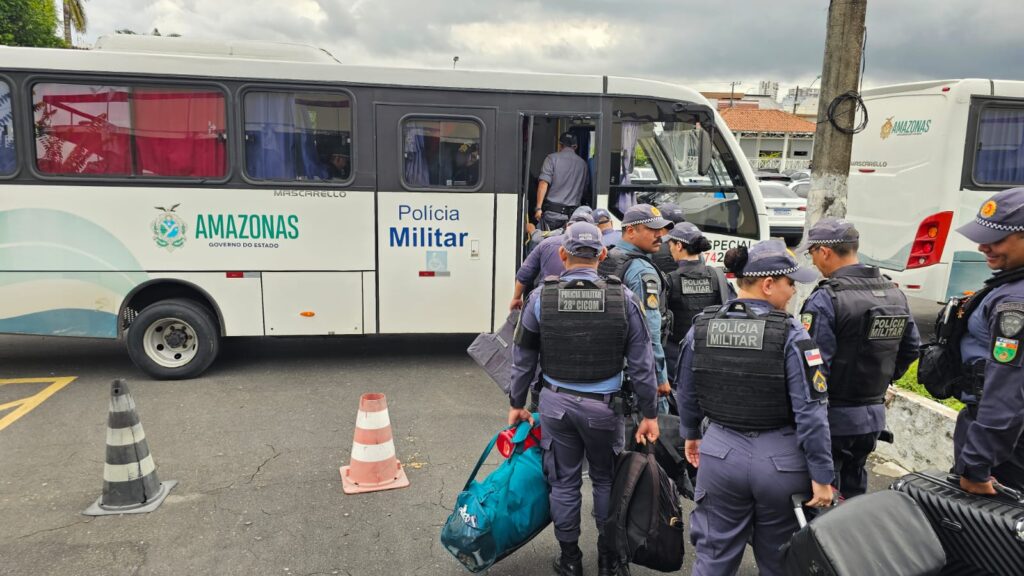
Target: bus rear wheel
x=173 y=339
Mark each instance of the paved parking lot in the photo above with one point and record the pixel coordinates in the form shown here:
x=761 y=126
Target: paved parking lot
x=256 y=445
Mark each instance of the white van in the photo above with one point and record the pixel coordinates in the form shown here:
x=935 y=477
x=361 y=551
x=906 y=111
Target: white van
x=932 y=153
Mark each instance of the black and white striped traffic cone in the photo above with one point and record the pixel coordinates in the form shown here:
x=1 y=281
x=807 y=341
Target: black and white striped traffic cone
x=130 y=485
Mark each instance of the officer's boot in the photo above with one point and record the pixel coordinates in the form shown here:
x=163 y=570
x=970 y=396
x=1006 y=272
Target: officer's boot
x=608 y=561
x=570 y=561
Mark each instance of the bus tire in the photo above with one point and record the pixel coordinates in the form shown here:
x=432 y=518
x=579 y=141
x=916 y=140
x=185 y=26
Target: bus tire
x=174 y=339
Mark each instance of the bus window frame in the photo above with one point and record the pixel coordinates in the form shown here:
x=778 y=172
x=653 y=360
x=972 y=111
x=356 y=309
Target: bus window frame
x=132 y=82
x=978 y=105
x=15 y=129
x=453 y=189
x=353 y=159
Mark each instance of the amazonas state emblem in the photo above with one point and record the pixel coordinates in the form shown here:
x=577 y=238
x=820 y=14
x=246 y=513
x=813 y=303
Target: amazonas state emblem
x=169 y=229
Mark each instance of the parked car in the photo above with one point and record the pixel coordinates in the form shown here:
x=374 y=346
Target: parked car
x=786 y=211
x=801 y=187
x=764 y=176
x=798 y=174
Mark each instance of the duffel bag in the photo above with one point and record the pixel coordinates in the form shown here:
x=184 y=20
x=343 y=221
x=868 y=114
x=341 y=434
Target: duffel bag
x=494 y=517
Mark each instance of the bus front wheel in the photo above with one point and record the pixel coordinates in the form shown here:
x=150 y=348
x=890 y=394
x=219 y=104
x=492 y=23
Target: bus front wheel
x=173 y=339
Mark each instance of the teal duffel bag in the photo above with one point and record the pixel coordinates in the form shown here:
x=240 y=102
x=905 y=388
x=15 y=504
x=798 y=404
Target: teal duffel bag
x=496 y=516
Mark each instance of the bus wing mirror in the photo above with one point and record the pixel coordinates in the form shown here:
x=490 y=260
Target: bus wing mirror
x=704 y=153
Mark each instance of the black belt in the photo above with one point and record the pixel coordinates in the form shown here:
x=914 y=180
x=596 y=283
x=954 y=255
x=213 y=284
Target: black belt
x=570 y=392
x=556 y=207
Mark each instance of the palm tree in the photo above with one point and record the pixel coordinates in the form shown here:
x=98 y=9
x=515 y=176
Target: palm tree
x=74 y=17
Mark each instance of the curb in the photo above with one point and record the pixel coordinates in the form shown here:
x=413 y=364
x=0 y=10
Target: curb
x=923 y=431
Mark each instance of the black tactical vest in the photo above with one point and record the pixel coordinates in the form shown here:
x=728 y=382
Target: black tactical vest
x=689 y=293
x=663 y=259
x=616 y=264
x=739 y=367
x=582 y=329
x=871 y=317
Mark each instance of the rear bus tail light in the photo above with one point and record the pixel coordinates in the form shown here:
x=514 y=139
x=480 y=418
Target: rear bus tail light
x=930 y=240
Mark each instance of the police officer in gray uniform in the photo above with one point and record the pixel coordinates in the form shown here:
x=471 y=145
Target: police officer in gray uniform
x=756 y=374
x=663 y=258
x=581 y=329
x=987 y=441
x=692 y=286
x=544 y=261
x=563 y=178
x=862 y=324
x=603 y=219
x=642 y=231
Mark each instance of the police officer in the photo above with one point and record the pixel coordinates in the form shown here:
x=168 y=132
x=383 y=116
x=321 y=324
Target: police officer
x=756 y=374
x=692 y=286
x=987 y=440
x=642 y=230
x=582 y=328
x=862 y=323
x=663 y=258
x=544 y=261
x=563 y=178
x=609 y=235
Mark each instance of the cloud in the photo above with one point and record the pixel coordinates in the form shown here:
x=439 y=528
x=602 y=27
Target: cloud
x=703 y=43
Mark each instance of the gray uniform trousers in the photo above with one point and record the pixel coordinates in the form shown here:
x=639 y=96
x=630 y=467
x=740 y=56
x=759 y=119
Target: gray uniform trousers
x=574 y=427
x=552 y=220
x=744 y=483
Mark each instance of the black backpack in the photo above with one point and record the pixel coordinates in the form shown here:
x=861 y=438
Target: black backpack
x=645 y=523
x=940 y=369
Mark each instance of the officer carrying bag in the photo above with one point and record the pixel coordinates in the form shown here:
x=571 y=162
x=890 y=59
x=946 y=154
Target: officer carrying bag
x=645 y=523
x=494 y=517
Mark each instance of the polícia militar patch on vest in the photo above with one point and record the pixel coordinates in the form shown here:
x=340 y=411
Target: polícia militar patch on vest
x=690 y=286
x=580 y=300
x=738 y=333
x=888 y=327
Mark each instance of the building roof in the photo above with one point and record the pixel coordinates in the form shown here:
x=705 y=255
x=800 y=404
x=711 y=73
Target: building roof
x=754 y=120
x=723 y=95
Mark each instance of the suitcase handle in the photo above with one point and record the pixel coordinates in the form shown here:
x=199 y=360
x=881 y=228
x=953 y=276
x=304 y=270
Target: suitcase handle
x=1001 y=490
x=798 y=507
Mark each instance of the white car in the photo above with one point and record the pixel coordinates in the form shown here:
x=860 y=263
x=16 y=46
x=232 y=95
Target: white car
x=786 y=211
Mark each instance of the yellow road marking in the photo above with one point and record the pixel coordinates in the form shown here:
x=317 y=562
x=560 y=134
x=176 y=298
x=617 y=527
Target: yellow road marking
x=27 y=404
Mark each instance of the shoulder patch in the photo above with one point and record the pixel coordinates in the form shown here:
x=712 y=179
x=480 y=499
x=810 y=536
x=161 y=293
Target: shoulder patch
x=1004 y=351
x=817 y=384
x=807 y=320
x=652 y=291
x=1010 y=318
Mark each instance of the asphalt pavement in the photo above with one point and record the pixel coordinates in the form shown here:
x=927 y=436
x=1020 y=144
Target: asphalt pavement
x=255 y=445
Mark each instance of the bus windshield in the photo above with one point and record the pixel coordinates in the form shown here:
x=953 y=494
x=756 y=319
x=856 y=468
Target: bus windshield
x=666 y=153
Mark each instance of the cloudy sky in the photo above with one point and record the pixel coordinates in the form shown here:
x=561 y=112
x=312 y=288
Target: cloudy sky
x=703 y=43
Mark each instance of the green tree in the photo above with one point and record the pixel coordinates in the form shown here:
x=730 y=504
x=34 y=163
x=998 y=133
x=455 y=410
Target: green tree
x=74 y=17
x=29 y=23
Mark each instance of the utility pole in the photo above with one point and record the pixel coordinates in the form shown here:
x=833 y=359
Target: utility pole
x=840 y=73
x=732 y=92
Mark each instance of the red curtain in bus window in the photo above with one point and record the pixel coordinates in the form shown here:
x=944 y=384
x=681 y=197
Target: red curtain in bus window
x=179 y=132
x=81 y=129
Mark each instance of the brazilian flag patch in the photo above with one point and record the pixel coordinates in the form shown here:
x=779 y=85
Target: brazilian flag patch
x=1005 y=350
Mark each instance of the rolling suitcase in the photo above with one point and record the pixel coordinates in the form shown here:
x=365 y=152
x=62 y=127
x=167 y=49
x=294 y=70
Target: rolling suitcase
x=982 y=535
x=883 y=533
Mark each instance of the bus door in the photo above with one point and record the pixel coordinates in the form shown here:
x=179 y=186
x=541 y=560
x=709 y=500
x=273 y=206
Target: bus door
x=540 y=132
x=435 y=218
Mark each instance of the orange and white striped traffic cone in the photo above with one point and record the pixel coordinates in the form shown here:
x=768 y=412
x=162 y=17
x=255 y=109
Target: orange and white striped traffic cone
x=130 y=483
x=373 y=466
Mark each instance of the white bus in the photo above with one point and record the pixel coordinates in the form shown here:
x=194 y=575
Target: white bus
x=170 y=193
x=931 y=155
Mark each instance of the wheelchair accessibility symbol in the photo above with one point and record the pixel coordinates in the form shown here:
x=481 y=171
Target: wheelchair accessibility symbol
x=437 y=263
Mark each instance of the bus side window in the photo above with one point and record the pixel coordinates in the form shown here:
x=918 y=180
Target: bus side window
x=8 y=159
x=1000 y=153
x=298 y=136
x=174 y=132
x=440 y=153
